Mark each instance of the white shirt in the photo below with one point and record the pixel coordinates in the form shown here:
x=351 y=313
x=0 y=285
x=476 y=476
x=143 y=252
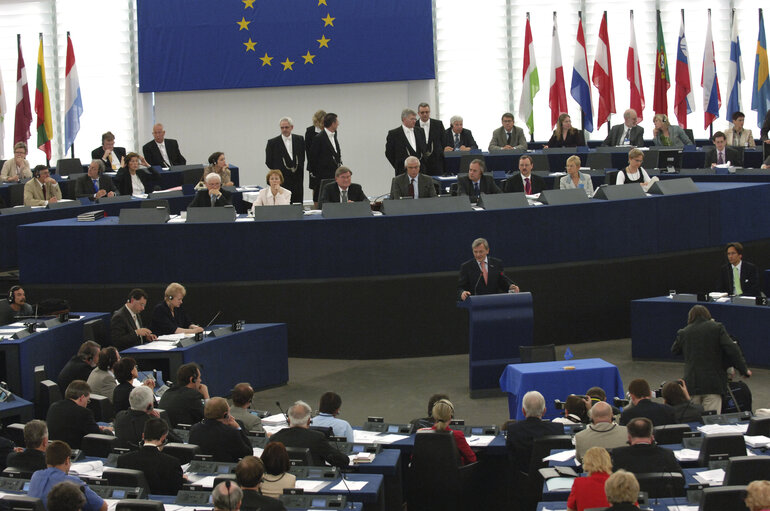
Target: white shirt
x=163 y=153
x=641 y=173
x=331 y=134
x=426 y=128
x=287 y=143
x=346 y=191
x=414 y=180
x=113 y=161
x=133 y=315
x=409 y=132
x=137 y=185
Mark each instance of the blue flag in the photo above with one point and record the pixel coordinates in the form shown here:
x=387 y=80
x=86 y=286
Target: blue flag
x=568 y=354
x=760 y=90
x=207 y=44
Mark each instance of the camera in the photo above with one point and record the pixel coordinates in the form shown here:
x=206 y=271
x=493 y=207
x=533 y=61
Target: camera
x=620 y=403
x=559 y=405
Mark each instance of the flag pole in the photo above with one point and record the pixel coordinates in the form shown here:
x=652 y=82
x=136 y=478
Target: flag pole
x=582 y=113
x=532 y=131
x=609 y=114
x=47 y=160
x=72 y=146
x=711 y=126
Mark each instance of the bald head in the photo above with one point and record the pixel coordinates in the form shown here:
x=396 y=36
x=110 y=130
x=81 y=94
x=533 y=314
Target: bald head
x=158 y=133
x=601 y=412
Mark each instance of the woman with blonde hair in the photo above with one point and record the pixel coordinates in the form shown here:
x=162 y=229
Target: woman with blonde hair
x=633 y=173
x=575 y=178
x=622 y=490
x=16 y=168
x=274 y=194
x=667 y=135
x=443 y=411
x=565 y=135
x=588 y=492
x=168 y=317
x=758 y=496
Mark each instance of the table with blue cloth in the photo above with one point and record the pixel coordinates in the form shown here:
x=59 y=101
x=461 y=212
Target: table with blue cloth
x=257 y=354
x=553 y=381
x=52 y=348
x=656 y=321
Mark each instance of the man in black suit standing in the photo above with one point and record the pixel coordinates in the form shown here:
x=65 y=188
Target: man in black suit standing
x=626 y=134
x=325 y=154
x=126 y=328
x=286 y=152
x=300 y=435
x=433 y=129
x=162 y=151
x=457 y=138
x=213 y=196
x=163 y=472
x=641 y=397
x=738 y=277
x=70 y=419
x=525 y=181
x=406 y=140
x=111 y=156
x=642 y=456
x=522 y=434
x=342 y=190
x=721 y=153
x=483 y=275
x=95 y=184
x=413 y=184
x=476 y=183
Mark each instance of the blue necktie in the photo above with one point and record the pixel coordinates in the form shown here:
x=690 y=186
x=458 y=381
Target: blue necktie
x=96 y=185
x=476 y=189
x=457 y=141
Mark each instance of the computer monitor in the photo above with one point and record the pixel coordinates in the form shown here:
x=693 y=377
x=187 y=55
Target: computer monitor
x=669 y=160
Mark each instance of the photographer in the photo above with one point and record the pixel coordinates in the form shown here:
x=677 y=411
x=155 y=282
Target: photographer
x=575 y=410
x=675 y=395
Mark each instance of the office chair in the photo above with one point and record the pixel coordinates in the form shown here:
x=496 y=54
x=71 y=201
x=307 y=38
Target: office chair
x=126 y=477
x=49 y=394
x=15 y=432
x=661 y=485
x=183 y=452
x=759 y=426
x=300 y=456
x=139 y=505
x=744 y=469
x=599 y=160
x=102 y=408
x=68 y=166
x=543 y=353
x=327 y=431
x=721 y=443
x=721 y=498
x=98 y=446
x=670 y=433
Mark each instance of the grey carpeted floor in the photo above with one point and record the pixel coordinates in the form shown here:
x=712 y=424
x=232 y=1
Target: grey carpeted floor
x=398 y=389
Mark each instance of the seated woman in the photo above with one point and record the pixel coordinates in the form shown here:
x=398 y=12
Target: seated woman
x=758 y=496
x=274 y=194
x=738 y=136
x=575 y=411
x=276 y=476
x=675 y=395
x=565 y=135
x=126 y=372
x=102 y=380
x=634 y=173
x=130 y=180
x=575 y=178
x=588 y=492
x=443 y=411
x=667 y=135
x=16 y=168
x=168 y=317
x=622 y=490
x=218 y=165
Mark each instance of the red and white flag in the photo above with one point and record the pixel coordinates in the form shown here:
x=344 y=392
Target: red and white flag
x=602 y=78
x=634 y=74
x=557 y=93
x=23 y=119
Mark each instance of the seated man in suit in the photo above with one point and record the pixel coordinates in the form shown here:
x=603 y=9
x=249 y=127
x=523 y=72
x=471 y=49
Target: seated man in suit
x=406 y=140
x=522 y=434
x=248 y=475
x=643 y=406
x=738 y=277
x=95 y=184
x=130 y=423
x=490 y=268
x=80 y=366
x=111 y=156
x=220 y=435
x=525 y=181
x=300 y=435
x=342 y=190
x=126 y=328
x=70 y=419
x=213 y=195
x=507 y=136
x=241 y=396
x=457 y=138
x=642 y=456
x=721 y=153
x=163 y=472
x=185 y=399
x=33 y=457
x=42 y=190
x=162 y=151
x=626 y=134
x=413 y=184
x=602 y=432
x=15 y=307
x=227 y=496
x=476 y=183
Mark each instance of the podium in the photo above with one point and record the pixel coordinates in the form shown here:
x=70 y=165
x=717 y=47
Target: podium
x=498 y=325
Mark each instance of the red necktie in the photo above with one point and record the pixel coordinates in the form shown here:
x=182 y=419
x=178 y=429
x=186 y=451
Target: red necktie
x=527 y=186
x=484 y=271
x=45 y=196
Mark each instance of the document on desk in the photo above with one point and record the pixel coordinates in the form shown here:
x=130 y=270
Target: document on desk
x=348 y=485
x=480 y=440
x=157 y=345
x=687 y=455
x=559 y=483
x=710 y=477
x=278 y=419
x=205 y=482
x=112 y=504
x=309 y=486
x=685 y=507
x=757 y=441
x=712 y=429
x=561 y=456
x=372 y=437
x=258 y=451
x=88 y=468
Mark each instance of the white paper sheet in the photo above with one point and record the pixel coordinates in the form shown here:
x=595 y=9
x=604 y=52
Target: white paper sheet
x=561 y=456
x=310 y=486
x=710 y=477
x=157 y=345
x=687 y=455
x=351 y=485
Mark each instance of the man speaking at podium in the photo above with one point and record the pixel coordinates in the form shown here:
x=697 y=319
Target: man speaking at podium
x=483 y=275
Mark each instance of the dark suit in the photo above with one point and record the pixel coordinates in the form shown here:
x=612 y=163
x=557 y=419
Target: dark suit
x=466 y=138
x=471 y=279
x=255 y=501
x=521 y=438
x=203 y=199
x=399 y=186
x=324 y=160
x=516 y=184
x=398 y=148
x=123 y=329
x=163 y=472
x=165 y=321
x=310 y=134
x=222 y=442
x=749 y=279
x=331 y=193
x=153 y=156
x=120 y=395
x=75 y=369
x=615 y=137
x=486 y=185
x=69 y=422
x=84 y=186
x=433 y=157
x=129 y=426
x=98 y=154
x=644 y=458
x=659 y=414
x=731 y=154
x=123 y=180
x=276 y=157
x=574 y=138
x=320 y=449
x=183 y=405
x=28 y=460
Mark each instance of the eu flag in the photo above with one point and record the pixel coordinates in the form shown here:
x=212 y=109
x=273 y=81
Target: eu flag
x=224 y=44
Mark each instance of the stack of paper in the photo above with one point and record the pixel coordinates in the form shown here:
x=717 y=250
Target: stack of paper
x=157 y=345
x=687 y=455
x=309 y=486
x=710 y=477
x=362 y=457
x=561 y=456
x=278 y=419
x=559 y=483
x=757 y=441
x=712 y=429
x=88 y=468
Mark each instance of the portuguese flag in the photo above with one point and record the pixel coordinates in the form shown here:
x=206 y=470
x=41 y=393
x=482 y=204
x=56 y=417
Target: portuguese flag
x=43 y=106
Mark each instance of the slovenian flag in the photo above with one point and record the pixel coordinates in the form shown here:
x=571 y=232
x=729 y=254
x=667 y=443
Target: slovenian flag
x=684 y=99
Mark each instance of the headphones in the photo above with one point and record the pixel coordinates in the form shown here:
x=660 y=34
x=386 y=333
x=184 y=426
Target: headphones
x=12 y=292
x=169 y=297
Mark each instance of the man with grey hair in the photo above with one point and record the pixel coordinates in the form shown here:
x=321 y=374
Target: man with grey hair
x=162 y=151
x=483 y=275
x=457 y=138
x=414 y=184
x=94 y=184
x=286 y=153
x=342 y=189
x=213 y=196
x=129 y=424
x=405 y=140
x=227 y=496
x=626 y=134
x=70 y=419
x=33 y=457
x=433 y=157
x=602 y=432
x=300 y=435
x=522 y=434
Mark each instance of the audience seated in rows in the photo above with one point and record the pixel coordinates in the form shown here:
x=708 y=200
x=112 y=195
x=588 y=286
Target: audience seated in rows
x=184 y=401
x=642 y=456
x=622 y=490
x=676 y=396
x=227 y=496
x=522 y=434
x=588 y=492
x=33 y=457
x=65 y=496
x=644 y=406
x=277 y=476
x=443 y=411
x=129 y=424
x=125 y=373
x=102 y=379
x=70 y=419
x=248 y=475
x=428 y=421
x=80 y=366
x=602 y=432
x=575 y=411
x=219 y=434
x=328 y=409
x=163 y=472
x=241 y=396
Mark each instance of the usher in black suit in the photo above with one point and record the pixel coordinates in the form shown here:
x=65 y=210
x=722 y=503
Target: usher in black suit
x=154 y=157
x=291 y=166
x=471 y=279
x=324 y=159
x=433 y=157
x=398 y=148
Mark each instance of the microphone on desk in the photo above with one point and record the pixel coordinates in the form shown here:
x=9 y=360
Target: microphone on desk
x=278 y=404
x=476 y=287
x=212 y=320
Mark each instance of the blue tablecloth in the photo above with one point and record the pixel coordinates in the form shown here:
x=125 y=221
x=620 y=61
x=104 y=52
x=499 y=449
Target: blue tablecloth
x=555 y=382
x=396 y=245
x=655 y=322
